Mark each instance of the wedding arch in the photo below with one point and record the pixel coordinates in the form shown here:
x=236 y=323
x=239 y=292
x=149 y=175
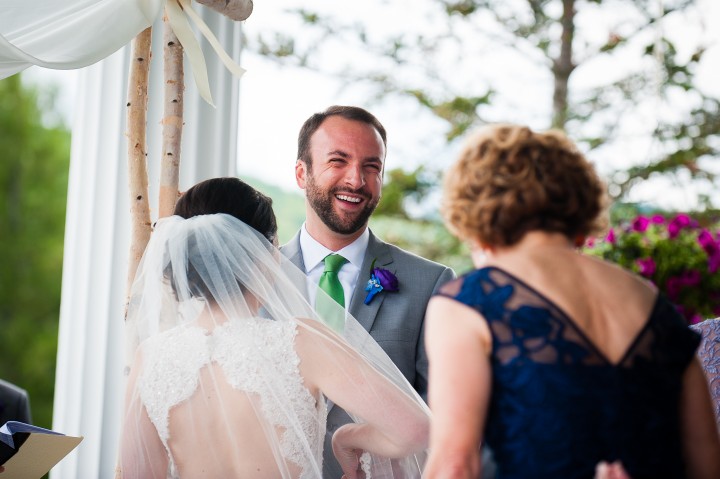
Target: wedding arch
x=101 y=212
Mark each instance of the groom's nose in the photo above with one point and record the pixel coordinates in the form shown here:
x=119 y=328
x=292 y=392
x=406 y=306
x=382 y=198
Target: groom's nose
x=355 y=176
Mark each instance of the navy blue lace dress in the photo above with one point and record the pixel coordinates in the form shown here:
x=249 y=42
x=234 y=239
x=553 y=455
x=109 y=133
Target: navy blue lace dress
x=558 y=405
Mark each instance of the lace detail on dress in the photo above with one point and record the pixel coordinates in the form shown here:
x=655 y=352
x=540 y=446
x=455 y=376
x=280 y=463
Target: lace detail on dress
x=275 y=339
x=558 y=405
x=169 y=377
x=242 y=348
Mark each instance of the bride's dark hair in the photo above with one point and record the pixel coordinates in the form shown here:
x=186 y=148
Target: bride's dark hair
x=231 y=196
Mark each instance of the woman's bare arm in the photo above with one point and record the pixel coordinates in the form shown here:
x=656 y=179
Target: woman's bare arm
x=396 y=424
x=458 y=344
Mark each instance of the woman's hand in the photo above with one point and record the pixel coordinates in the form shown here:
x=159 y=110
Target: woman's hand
x=614 y=470
x=347 y=456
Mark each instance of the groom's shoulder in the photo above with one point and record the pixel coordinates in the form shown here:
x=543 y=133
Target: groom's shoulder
x=292 y=247
x=407 y=258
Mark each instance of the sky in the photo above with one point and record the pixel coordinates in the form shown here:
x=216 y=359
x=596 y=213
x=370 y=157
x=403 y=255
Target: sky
x=276 y=99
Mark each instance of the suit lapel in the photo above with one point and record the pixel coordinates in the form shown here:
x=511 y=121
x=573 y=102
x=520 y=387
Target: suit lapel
x=366 y=313
x=293 y=253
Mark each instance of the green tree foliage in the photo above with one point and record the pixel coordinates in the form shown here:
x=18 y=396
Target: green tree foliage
x=616 y=72
x=34 y=162
x=402 y=187
x=289 y=207
x=426 y=238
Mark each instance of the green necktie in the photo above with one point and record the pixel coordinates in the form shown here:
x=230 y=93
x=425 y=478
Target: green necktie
x=329 y=282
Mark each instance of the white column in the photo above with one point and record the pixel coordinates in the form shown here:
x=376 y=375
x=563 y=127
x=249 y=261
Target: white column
x=89 y=376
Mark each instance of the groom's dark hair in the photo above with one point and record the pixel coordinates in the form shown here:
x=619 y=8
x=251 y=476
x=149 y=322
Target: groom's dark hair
x=231 y=196
x=311 y=125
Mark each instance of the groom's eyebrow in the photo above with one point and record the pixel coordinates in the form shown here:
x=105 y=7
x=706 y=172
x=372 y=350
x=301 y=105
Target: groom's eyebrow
x=339 y=153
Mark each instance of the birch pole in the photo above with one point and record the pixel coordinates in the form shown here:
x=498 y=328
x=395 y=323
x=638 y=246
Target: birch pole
x=172 y=122
x=237 y=10
x=140 y=225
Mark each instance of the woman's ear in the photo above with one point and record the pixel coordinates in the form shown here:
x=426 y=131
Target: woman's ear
x=479 y=252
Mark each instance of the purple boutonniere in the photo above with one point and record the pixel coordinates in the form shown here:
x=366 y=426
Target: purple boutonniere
x=380 y=280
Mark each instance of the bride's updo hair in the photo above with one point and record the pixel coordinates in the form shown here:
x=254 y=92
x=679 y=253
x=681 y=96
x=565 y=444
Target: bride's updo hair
x=231 y=196
x=510 y=180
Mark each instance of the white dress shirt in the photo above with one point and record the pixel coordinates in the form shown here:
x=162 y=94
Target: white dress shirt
x=314 y=253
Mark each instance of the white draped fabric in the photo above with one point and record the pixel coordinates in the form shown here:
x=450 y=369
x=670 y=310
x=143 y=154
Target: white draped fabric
x=68 y=34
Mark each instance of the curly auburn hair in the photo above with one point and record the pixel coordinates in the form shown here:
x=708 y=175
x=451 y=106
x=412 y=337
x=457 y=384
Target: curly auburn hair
x=510 y=180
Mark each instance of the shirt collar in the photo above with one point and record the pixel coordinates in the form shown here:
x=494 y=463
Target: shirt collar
x=314 y=253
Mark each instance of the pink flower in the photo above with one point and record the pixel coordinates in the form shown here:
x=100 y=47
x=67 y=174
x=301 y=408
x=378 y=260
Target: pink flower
x=640 y=224
x=657 y=219
x=673 y=286
x=676 y=224
x=687 y=279
x=647 y=266
x=708 y=243
x=610 y=238
x=714 y=263
x=691 y=278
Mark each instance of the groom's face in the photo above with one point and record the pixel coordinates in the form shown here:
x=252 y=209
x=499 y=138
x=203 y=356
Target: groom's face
x=343 y=179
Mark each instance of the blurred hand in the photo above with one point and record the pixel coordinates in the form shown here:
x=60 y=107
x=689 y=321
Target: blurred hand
x=348 y=457
x=614 y=470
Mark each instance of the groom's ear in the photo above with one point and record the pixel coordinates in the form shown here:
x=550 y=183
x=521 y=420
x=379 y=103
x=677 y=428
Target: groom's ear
x=300 y=173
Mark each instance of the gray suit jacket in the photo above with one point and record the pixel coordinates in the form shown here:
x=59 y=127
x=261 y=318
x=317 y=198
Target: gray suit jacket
x=14 y=404
x=394 y=320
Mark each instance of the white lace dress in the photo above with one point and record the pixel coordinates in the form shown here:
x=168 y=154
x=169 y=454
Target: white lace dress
x=249 y=351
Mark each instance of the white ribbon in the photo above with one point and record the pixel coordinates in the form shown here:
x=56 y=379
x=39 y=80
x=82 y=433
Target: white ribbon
x=178 y=12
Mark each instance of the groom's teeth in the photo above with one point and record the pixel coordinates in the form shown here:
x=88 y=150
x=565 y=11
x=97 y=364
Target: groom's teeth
x=348 y=198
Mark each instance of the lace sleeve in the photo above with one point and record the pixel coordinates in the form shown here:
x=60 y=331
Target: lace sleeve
x=452 y=288
x=709 y=355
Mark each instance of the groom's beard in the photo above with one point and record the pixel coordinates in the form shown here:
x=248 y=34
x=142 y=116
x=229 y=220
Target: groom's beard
x=321 y=202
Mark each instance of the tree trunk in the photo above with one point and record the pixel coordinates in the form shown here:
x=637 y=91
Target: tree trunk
x=172 y=120
x=563 y=66
x=140 y=225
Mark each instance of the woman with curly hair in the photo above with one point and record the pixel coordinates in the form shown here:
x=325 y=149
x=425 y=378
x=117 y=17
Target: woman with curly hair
x=560 y=362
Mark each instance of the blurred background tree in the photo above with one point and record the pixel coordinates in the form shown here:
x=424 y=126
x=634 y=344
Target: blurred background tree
x=620 y=76
x=34 y=163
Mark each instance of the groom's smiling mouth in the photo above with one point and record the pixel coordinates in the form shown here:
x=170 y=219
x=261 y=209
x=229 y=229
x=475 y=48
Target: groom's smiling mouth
x=350 y=199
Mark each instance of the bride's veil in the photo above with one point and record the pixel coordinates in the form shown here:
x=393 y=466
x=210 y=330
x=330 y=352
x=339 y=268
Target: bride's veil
x=222 y=346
